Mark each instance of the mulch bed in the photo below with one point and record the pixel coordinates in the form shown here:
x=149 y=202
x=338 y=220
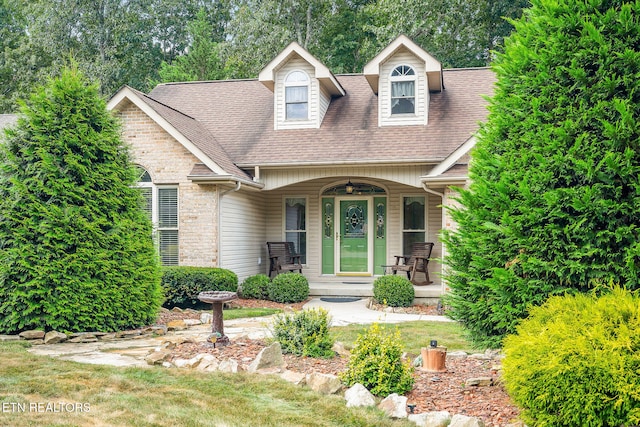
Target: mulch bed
x=444 y=391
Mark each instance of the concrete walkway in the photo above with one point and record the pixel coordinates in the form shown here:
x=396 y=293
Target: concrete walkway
x=131 y=352
x=345 y=313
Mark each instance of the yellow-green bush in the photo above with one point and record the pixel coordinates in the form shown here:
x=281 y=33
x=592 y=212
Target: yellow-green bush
x=304 y=333
x=376 y=363
x=576 y=361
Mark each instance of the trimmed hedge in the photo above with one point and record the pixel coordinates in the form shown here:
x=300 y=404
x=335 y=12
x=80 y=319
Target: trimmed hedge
x=183 y=284
x=394 y=291
x=289 y=287
x=576 y=361
x=255 y=287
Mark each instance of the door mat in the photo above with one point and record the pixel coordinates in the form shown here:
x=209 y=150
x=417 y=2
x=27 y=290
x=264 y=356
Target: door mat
x=340 y=299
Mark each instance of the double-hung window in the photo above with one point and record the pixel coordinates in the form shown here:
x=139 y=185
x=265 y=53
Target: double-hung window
x=413 y=222
x=295 y=218
x=161 y=206
x=296 y=95
x=403 y=90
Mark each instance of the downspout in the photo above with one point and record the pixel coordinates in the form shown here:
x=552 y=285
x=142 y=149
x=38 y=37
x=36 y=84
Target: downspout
x=443 y=225
x=233 y=190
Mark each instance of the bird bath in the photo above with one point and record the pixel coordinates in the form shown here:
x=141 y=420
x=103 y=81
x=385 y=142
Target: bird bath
x=217 y=299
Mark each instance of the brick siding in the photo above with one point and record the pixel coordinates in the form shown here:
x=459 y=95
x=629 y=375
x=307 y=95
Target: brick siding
x=168 y=162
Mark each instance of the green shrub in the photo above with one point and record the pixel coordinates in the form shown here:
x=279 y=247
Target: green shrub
x=183 y=284
x=376 y=363
x=289 y=287
x=305 y=333
x=394 y=291
x=576 y=361
x=255 y=287
x=76 y=249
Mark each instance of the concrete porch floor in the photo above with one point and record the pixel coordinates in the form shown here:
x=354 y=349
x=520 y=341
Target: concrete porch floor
x=363 y=287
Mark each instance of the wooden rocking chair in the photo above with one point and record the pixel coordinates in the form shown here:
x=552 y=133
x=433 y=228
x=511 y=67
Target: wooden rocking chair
x=417 y=262
x=282 y=258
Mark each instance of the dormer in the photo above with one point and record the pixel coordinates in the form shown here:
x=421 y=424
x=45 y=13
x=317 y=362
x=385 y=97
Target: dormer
x=403 y=75
x=302 y=88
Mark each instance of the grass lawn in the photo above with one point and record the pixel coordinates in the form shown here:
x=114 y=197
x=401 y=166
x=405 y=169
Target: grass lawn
x=111 y=396
x=415 y=335
x=239 y=313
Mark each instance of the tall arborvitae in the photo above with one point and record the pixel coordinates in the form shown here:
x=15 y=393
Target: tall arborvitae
x=76 y=250
x=554 y=203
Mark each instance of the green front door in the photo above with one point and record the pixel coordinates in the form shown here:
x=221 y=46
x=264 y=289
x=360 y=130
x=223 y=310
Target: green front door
x=354 y=245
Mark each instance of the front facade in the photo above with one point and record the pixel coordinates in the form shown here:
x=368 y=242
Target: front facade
x=351 y=168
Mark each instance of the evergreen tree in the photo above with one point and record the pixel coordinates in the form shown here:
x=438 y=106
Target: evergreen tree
x=76 y=251
x=554 y=199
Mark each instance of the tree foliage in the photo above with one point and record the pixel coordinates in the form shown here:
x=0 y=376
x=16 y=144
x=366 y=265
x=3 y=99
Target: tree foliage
x=140 y=42
x=554 y=196
x=76 y=251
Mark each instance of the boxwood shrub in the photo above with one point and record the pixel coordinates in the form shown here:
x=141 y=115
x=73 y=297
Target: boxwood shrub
x=255 y=287
x=288 y=288
x=183 y=284
x=575 y=361
x=304 y=333
x=394 y=291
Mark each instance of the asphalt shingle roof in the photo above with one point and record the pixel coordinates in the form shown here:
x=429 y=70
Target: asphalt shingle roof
x=235 y=117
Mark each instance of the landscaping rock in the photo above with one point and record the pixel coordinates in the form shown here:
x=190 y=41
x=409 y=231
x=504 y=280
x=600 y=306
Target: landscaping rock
x=358 y=395
x=83 y=337
x=323 y=383
x=464 y=421
x=176 y=325
x=192 y=322
x=10 y=338
x=431 y=419
x=157 y=357
x=296 y=378
x=54 y=337
x=340 y=349
x=394 y=406
x=457 y=355
x=268 y=357
x=206 y=318
x=479 y=382
x=32 y=335
x=207 y=363
x=228 y=365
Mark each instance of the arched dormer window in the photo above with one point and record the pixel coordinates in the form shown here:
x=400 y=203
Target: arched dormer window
x=161 y=206
x=296 y=94
x=403 y=90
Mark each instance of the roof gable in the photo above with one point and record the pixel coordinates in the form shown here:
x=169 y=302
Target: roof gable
x=326 y=78
x=433 y=68
x=185 y=129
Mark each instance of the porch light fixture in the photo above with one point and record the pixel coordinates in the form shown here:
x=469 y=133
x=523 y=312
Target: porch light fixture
x=348 y=187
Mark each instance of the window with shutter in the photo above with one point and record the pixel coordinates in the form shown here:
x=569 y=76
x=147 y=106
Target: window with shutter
x=161 y=207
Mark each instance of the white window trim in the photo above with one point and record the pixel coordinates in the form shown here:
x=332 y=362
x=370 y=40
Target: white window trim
x=405 y=78
x=155 y=211
x=426 y=218
x=306 y=220
x=297 y=84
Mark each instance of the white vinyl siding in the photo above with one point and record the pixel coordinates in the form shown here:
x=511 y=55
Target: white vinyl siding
x=385 y=116
x=317 y=102
x=243 y=234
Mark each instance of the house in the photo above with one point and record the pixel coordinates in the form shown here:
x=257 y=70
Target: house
x=351 y=168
